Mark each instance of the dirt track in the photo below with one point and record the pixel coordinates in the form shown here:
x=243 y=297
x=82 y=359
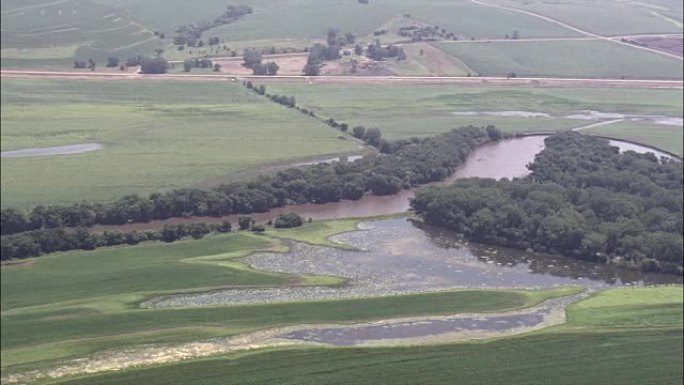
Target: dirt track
x=453 y=80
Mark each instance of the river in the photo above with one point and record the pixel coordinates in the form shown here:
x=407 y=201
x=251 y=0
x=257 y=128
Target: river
x=504 y=159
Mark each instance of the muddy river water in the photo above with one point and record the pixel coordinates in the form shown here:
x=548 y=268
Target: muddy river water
x=387 y=257
x=401 y=256
x=504 y=159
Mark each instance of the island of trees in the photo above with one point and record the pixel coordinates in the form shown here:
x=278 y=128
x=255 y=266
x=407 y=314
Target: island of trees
x=584 y=200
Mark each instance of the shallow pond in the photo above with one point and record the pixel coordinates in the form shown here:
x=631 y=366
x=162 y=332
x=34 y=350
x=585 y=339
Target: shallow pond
x=399 y=256
x=49 y=151
x=434 y=329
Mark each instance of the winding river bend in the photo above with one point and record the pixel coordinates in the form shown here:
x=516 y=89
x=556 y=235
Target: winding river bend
x=391 y=257
x=504 y=159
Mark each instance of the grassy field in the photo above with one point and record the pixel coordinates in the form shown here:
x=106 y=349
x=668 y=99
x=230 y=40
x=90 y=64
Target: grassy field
x=585 y=59
x=610 y=17
x=668 y=138
x=621 y=337
x=402 y=111
x=311 y=18
x=77 y=303
x=156 y=136
x=48 y=34
x=44 y=32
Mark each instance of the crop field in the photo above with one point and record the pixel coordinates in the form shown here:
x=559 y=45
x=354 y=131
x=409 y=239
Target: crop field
x=402 y=111
x=584 y=59
x=425 y=59
x=668 y=138
x=610 y=17
x=310 y=19
x=621 y=336
x=49 y=33
x=56 y=307
x=155 y=135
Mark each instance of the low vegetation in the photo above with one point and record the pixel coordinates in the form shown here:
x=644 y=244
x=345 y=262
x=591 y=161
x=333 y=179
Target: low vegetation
x=156 y=136
x=404 y=110
x=46 y=317
x=583 y=200
x=584 y=59
x=607 y=340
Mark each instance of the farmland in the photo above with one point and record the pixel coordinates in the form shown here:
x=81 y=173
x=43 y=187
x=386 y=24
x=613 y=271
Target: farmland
x=664 y=137
x=50 y=35
x=609 y=17
x=47 y=317
x=292 y=192
x=585 y=59
x=53 y=33
x=156 y=136
x=643 y=325
x=402 y=111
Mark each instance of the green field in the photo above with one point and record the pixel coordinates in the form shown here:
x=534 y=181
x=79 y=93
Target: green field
x=157 y=135
x=621 y=337
x=583 y=59
x=49 y=34
x=53 y=33
x=609 y=17
x=668 y=138
x=402 y=111
x=77 y=303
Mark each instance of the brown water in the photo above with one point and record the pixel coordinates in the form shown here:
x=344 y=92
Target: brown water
x=504 y=159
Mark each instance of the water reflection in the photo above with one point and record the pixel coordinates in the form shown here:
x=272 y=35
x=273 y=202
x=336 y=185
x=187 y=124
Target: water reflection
x=545 y=264
x=398 y=256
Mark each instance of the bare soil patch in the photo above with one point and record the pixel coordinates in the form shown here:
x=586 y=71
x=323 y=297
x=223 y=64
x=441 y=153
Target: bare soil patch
x=290 y=64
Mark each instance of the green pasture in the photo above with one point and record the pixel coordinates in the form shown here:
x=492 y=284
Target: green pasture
x=609 y=17
x=77 y=303
x=578 y=58
x=311 y=19
x=620 y=337
x=48 y=34
x=38 y=33
x=157 y=135
x=668 y=138
x=402 y=111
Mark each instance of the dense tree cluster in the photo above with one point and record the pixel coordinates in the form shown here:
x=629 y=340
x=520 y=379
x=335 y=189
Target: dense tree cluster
x=156 y=65
x=189 y=64
x=190 y=34
x=583 y=199
x=252 y=60
x=414 y=162
x=112 y=61
x=318 y=53
x=90 y=64
x=287 y=221
x=378 y=52
x=37 y=242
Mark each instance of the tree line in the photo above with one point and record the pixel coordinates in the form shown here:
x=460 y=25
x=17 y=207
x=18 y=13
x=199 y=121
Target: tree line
x=584 y=200
x=45 y=241
x=190 y=34
x=414 y=162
